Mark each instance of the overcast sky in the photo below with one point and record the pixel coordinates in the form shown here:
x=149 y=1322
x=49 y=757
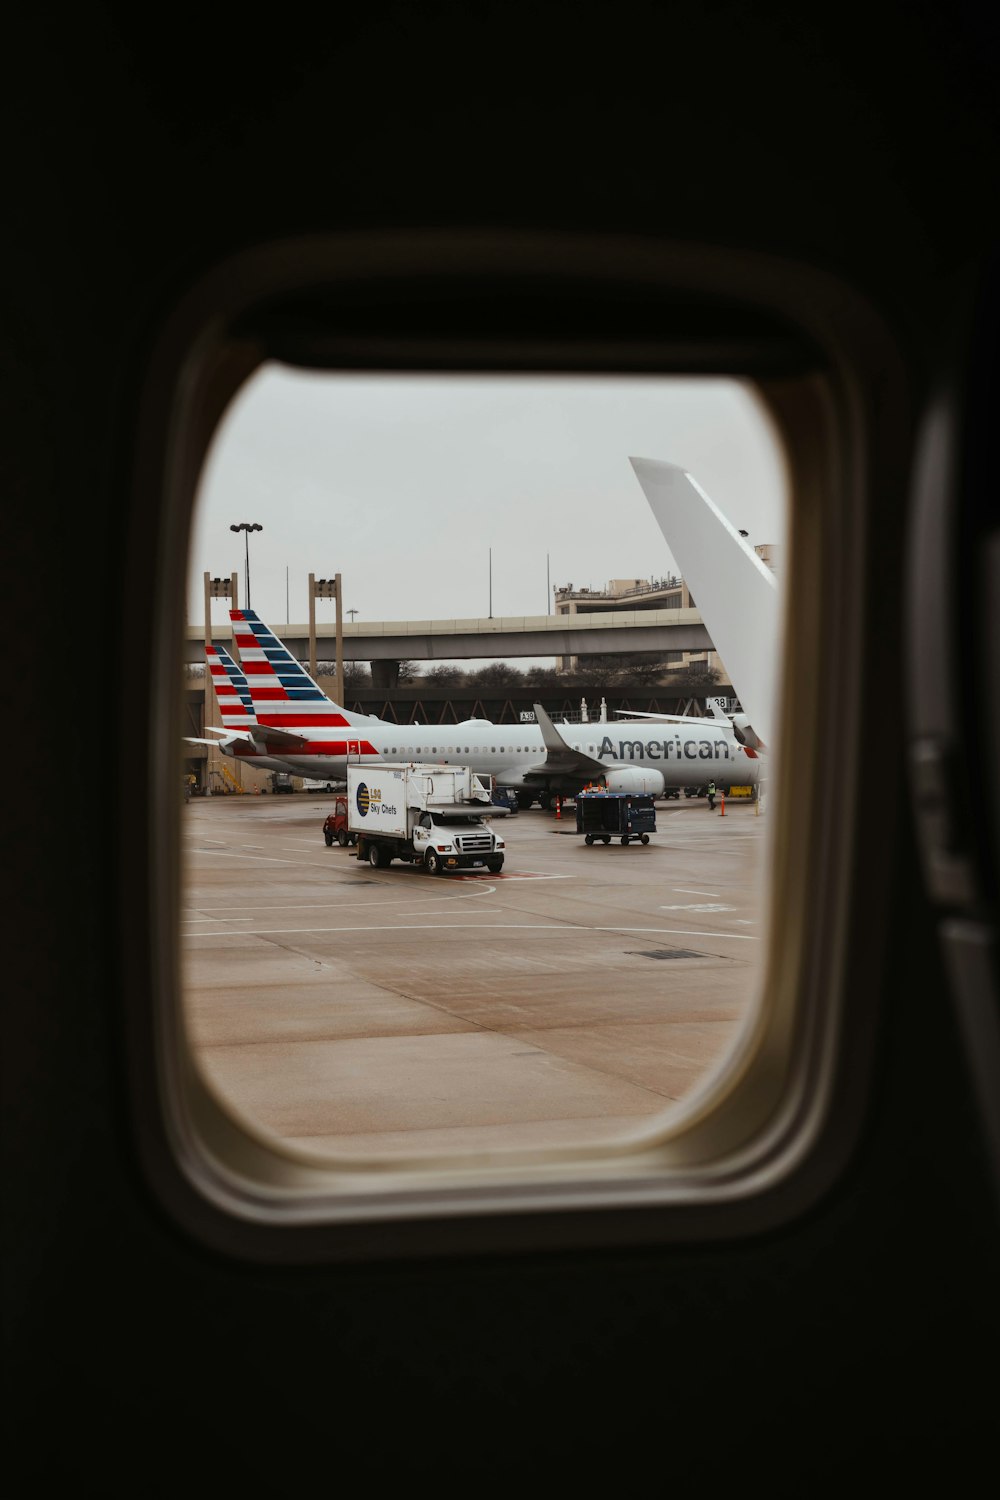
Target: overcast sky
x=403 y=484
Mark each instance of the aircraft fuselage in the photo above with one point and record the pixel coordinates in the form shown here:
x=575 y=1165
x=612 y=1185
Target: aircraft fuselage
x=515 y=753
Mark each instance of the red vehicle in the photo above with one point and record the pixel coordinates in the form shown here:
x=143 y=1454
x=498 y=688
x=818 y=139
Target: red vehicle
x=335 y=825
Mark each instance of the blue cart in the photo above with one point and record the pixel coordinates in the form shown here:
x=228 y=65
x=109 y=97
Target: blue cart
x=602 y=816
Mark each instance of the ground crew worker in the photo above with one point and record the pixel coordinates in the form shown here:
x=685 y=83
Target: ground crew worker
x=711 y=796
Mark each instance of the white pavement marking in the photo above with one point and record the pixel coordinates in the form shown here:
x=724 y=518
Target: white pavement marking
x=700 y=906
x=343 y=905
x=370 y=927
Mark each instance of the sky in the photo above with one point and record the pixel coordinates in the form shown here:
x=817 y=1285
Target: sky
x=453 y=497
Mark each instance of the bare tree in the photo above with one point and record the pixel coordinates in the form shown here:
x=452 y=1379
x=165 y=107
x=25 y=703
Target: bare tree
x=446 y=675
x=697 y=679
x=497 y=674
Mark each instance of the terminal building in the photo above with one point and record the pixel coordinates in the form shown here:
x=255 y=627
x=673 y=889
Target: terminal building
x=640 y=594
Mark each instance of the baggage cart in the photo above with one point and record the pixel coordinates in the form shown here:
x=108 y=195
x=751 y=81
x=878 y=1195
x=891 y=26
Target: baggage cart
x=629 y=817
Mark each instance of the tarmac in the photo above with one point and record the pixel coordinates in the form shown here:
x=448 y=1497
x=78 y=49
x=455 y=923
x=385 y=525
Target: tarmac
x=582 y=992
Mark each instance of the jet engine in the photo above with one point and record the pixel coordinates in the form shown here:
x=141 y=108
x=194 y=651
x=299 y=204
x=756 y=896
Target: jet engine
x=636 y=779
x=744 y=733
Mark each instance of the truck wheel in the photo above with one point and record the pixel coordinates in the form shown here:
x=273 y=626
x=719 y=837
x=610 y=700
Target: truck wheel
x=431 y=863
x=645 y=838
x=329 y=839
x=342 y=838
x=495 y=865
x=374 y=856
x=588 y=838
x=353 y=839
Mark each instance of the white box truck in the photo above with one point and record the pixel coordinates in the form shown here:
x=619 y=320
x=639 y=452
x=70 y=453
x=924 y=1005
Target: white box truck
x=425 y=814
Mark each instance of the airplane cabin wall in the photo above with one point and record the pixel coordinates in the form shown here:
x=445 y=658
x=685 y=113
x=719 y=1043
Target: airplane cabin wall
x=847 y=1346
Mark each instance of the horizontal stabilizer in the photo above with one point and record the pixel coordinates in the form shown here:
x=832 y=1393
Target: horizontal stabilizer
x=237 y=744
x=276 y=739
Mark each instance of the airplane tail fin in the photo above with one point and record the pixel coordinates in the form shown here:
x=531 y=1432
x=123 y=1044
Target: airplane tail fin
x=735 y=591
x=281 y=691
x=231 y=689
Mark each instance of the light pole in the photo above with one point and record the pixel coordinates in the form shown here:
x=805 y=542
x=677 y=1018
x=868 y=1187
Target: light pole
x=327 y=588
x=215 y=588
x=247 y=527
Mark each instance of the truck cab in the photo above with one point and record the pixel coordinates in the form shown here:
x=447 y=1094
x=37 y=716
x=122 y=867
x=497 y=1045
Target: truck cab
x=455 y=840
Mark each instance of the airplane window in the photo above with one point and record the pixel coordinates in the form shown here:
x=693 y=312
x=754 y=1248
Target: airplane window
x=622 y=976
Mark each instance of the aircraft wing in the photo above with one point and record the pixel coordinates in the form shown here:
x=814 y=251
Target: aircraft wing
x=735 y=592
x=628 y=713
x=560 y=759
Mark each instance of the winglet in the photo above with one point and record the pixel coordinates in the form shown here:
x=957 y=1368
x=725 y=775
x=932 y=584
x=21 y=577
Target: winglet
x=551 y=738
x=736 y=593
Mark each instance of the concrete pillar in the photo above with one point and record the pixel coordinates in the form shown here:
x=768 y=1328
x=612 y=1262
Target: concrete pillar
x=385 y=674
x=312 y=625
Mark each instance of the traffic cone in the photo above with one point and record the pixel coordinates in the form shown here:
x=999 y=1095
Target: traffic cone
x=558 y=807
x=722 y=809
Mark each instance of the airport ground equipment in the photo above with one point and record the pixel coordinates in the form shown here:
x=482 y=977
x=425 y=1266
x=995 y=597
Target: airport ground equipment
x=627 y=816
x=431 y=815
x=335 y=825
x=281 y=782
x=506 y=796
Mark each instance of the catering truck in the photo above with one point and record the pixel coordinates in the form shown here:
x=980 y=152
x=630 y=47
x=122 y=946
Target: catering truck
x=428 y=815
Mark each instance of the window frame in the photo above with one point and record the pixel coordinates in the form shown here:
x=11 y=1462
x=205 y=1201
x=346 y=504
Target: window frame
x=778 y=1123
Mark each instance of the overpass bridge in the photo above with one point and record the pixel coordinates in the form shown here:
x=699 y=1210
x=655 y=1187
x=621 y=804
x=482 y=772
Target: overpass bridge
x=388 y=642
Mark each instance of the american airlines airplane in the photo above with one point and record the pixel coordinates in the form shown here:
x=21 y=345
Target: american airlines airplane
x=273 y=710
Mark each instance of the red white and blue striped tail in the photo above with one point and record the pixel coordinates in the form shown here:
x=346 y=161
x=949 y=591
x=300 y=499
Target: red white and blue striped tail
x=231 y=689
x=281 y=691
